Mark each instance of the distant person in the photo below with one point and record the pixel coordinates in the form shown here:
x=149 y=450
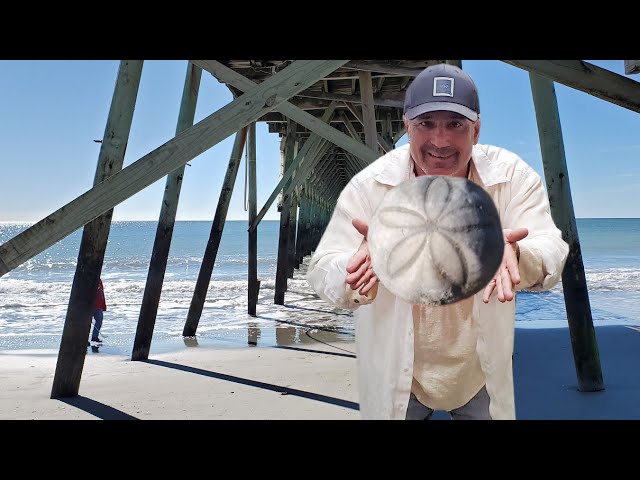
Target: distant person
x=101 y=306
x=414 y=359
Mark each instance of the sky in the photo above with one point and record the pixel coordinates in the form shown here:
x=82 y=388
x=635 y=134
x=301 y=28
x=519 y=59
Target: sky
x=51 y=111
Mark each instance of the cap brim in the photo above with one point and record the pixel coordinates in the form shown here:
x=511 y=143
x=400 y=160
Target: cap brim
x=438 y=106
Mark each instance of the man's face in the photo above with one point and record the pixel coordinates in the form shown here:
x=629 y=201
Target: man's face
x=441 y=143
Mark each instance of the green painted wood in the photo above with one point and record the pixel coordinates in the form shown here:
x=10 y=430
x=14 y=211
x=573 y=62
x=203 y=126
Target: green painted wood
x=77 y=323
x=384 y=68
x=215 y=236
x=383 y=99
x=368 y=111
x=321 y=173
x=285 y=219
x=254 y=285
x=349 y=166
x=303 y=172
x=588 y=78
x=163 y=160
x=166 y=224
x=350 y=128
x=301 y=233
x=286 y=176
x=631 y=67
x=299 y=116
x=574 y=285
x=387 y=128
x=381 y=141
x=291 y=243
x=356 y=161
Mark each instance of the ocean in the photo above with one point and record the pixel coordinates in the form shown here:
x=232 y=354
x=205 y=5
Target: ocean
x=34 y=297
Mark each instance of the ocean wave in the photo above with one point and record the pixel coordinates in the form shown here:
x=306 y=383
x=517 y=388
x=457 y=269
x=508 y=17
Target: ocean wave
x=621 y=279
x=613 y=279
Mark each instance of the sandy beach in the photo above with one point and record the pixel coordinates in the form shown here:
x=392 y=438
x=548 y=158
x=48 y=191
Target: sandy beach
x=304 y=382
x=234 y=383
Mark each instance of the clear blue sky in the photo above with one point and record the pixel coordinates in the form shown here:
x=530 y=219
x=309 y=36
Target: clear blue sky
x=51 y=111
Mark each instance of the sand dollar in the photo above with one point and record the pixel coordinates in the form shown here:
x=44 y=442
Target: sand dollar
x=436 y=240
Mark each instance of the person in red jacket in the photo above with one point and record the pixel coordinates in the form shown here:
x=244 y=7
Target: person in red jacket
x=101 y=306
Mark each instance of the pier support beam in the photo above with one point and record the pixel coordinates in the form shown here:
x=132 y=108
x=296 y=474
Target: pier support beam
x=166 y=224
x=82 y=300
x=574 y=283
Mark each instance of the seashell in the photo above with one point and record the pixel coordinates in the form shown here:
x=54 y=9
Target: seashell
x=436 y=240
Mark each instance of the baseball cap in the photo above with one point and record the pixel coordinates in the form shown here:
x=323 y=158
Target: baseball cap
x=442 y=87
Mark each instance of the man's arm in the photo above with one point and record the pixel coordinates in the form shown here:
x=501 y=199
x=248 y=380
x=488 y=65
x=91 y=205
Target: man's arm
x=542 y=254
x=328 y=267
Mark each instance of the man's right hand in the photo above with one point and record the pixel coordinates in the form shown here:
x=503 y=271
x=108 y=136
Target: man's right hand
x=360 y=273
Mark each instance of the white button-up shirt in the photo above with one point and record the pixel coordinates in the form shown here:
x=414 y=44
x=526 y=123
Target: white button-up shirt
x=384 y=327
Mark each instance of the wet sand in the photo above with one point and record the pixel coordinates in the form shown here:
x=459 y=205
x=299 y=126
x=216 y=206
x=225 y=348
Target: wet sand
x=308 y=381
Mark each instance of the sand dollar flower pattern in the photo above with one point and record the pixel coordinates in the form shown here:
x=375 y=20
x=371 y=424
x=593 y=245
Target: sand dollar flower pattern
x=433 y=239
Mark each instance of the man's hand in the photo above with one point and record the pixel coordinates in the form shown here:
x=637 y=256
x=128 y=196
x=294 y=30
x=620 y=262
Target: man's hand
x=508 y=275
x=360 y=273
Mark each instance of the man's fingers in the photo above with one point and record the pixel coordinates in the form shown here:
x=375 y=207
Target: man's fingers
x=372 y=281
x=499 y=286
x=361 y=226
x=488 y=290
x=507 y=290
x=356 y=261
x=353 y=278
x=365 y=276
x=516 y=234
x=514 y=270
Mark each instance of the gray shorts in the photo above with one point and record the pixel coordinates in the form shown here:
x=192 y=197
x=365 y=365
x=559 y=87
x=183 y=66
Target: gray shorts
x=475 y=409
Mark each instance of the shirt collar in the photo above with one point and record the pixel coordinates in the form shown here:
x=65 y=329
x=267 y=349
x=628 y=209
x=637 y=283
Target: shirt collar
x=400 y=168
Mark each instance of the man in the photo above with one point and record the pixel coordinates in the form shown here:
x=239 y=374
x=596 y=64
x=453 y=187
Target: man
x=414 y=359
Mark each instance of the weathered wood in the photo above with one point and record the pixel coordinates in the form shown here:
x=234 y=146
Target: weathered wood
x=387 y=99
x=312 y=123
x=352 y=74
x=588 y=78
x=574 y=284
x=356 y=161
x=163 y=160
x=301 y=234
x=631 y=67
x=387 y=128
x=350 y=128
x=333 y=189
x=286 y=176
x=82 y=300
x=291 y=243
x=368 y=111
x=385 y=68
x=307 y=103
x=457 y=63
x=303 y=171
x=166 y=224
x=330 y=189
x=283 y=239
x=351 y=165
x=381 y=141
x=217 y=227
x=323 y=169
x=252 y=298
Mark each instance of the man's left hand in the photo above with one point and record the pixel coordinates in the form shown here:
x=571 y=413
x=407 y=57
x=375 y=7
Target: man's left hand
x=508 y=275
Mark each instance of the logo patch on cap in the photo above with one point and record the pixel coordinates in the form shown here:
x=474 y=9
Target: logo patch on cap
x=443 y=87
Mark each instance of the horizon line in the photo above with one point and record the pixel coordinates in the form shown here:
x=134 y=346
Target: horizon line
x=8 y=222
